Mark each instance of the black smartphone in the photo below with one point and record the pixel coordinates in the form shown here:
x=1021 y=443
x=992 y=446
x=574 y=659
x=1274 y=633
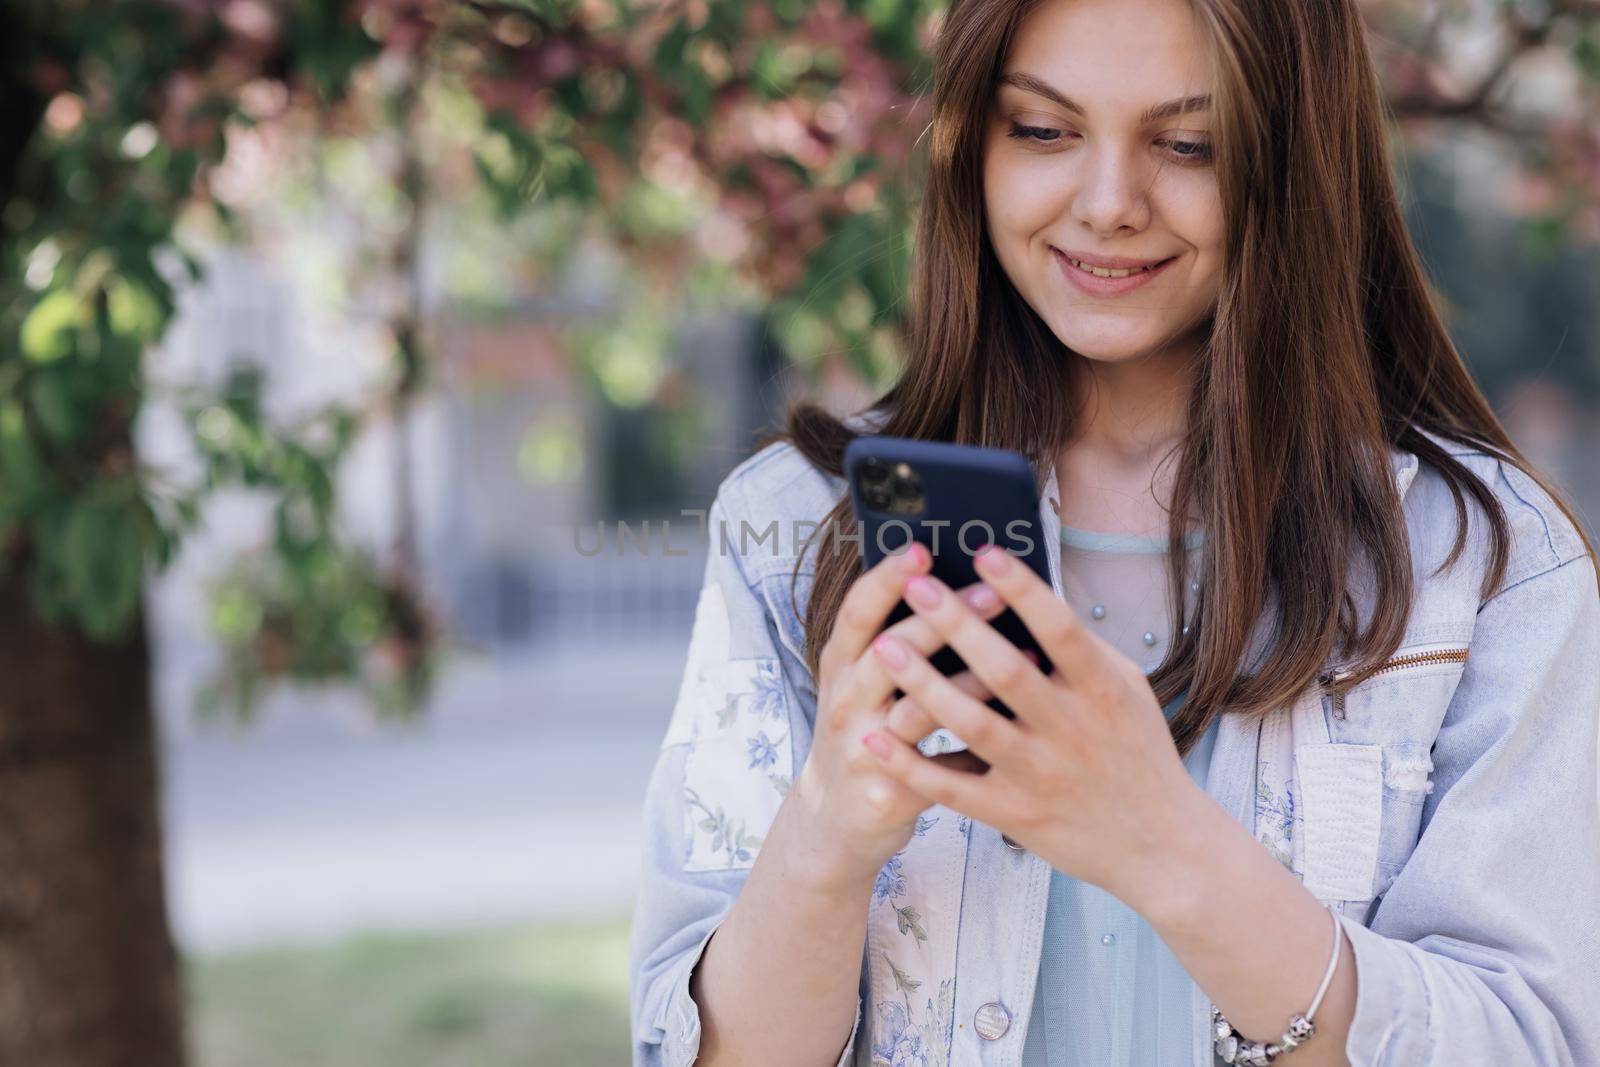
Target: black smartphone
x=954 y=499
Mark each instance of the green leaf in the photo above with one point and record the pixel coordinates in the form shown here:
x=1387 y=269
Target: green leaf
x=19 y=457
x=697 y=96
x=49 y=329
x=1586 y=51
x=102 y=559
x=50 y=397
x=669 y=52
x=135 y=312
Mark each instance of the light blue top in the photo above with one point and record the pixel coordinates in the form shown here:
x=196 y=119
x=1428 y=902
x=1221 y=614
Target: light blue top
x=1110 y=993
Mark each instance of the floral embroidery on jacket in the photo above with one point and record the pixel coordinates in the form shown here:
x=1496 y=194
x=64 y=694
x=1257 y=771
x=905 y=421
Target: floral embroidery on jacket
x=901 y=1041
x=1277 y=811
x=728 y=836
x=910 y=1023
x=890 y=885
x=1275 y=822
x=740 y=765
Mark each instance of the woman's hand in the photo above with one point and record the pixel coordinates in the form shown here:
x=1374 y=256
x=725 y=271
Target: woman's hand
x=1087 y=775
x=858 y=814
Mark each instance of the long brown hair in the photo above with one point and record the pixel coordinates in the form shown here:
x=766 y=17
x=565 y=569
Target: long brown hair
x=1324 y=350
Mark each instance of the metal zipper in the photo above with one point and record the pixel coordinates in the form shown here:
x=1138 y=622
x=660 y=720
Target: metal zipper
x=1439 y=654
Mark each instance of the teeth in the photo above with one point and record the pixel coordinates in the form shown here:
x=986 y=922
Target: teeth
x=1103 y=272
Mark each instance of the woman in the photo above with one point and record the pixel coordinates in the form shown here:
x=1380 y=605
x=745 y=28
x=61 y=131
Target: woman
x=1340 y=767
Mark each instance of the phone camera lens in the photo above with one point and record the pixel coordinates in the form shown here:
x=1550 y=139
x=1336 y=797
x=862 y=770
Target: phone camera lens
x=876 y=496
x=873 y=469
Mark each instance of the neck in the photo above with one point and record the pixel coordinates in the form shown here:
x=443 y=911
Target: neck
x=1133 y=411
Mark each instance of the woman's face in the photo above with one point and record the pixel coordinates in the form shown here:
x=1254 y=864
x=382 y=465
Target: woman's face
x=1096 y=149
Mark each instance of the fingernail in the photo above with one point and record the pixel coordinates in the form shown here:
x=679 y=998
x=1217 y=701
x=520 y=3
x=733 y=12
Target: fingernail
x=875 y=744
x=922 y=591
x=916 y=557
x=890 y=650
x=980 y=598
x=992 y=559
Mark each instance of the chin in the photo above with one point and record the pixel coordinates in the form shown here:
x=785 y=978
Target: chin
x=1120 y=338
x=1104 y=349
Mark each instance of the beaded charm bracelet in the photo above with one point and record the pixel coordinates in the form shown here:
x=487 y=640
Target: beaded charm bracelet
x=1234 y=1047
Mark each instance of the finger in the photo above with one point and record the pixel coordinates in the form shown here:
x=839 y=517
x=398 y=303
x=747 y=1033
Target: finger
x=989 y=655
x=1052 y=622
x=990 y=735
x=920 y=634
x=964 y=762
x=867 y=603
x=911 y=722
x=935 y=778
x=870 y=683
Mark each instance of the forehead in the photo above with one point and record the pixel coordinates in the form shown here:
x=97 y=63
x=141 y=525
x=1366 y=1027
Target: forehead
x=1113 y=54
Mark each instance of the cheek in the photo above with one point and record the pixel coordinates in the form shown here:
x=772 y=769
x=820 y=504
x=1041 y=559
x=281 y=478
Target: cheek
x=1017 y=201
x=1194 y=210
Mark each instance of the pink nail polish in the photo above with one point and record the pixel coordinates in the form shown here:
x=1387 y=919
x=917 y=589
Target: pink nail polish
x=890 y=650
x=875 y=744
x=992 y=559
x=980 y=598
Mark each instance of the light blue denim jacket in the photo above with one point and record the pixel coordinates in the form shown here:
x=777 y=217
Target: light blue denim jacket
x=1446 y=808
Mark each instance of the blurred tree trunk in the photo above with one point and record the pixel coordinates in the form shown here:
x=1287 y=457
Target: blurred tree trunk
x=88 y=973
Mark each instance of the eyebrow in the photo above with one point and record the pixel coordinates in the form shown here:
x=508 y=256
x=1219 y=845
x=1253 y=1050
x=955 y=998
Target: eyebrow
x=1180 y=106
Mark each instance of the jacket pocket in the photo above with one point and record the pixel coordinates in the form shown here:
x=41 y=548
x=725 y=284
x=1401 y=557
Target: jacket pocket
x=1341 y=792
x=1396 y=713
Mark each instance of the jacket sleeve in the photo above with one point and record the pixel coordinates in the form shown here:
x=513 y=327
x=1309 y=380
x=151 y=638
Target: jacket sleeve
x=1486 y=948
x=736 y=732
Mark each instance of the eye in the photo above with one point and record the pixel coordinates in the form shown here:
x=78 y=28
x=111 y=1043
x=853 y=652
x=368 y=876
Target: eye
x=1188 y=151
x=1037 y=134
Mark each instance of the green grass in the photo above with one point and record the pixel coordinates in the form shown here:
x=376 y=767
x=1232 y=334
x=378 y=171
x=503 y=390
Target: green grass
x=522 y=997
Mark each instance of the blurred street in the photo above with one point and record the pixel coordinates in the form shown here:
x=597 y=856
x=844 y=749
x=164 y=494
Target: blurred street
x=516 y=797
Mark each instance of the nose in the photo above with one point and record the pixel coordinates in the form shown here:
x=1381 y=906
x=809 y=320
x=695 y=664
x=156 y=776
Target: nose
x=1112 y=197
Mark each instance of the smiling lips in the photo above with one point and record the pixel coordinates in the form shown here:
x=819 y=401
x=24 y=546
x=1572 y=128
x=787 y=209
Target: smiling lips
x=1108 y=275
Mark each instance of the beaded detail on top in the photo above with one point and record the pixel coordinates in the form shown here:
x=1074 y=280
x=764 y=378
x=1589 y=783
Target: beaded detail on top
x=1103 y=569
